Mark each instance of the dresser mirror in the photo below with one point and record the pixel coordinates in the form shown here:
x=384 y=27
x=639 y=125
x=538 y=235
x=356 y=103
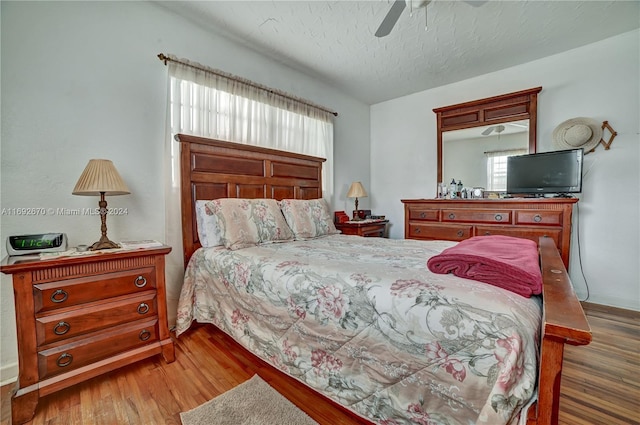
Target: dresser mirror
x=474 y=138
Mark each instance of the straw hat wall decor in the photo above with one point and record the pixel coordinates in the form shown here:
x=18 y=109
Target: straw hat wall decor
x=585 y=133
x=577 y=133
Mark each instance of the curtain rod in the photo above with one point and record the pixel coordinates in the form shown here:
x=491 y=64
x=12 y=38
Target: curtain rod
x=164 y=58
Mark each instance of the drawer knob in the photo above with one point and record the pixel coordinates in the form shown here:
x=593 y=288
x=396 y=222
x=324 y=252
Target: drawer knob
x=143 y=308
x=537 y=218
x=140 y=281
x=61 y=328
x=460 y=233
x=64 y=360
x=144 y=335
x=498 y=217
x=423 y=214
x=452 y=216
x=417 y=230
x=59 y=296
x=487 y=233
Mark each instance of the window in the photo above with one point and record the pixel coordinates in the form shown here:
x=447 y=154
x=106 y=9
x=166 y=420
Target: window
x=497 y=168
x=248 y=117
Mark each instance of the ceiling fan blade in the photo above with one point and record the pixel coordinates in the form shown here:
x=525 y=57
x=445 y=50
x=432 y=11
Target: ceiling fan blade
x=488 y=131
x=392 y=17
x=476 y=3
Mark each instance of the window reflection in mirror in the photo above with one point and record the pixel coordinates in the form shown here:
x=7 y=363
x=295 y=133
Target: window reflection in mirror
x=477 y=156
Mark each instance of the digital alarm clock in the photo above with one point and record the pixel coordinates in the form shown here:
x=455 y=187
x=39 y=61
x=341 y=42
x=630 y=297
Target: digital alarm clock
x=35 y=244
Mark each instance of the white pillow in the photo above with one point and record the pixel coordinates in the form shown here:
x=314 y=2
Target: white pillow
x=207 y=223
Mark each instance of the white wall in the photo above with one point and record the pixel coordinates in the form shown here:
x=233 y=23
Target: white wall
x=81 y=80
x=599 y=81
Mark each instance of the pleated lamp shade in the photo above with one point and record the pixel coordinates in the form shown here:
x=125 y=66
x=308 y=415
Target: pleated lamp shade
x=100 y=176
x=356 y=191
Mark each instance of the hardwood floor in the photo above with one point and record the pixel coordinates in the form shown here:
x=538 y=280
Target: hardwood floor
x=600 y=384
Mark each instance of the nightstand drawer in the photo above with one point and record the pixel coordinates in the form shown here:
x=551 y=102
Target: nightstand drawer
x=369 y=228
x=65 y=293
x=100 y=315
x=82 y=351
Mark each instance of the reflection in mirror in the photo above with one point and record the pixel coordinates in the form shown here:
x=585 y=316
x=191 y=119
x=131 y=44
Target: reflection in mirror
x=478 y=156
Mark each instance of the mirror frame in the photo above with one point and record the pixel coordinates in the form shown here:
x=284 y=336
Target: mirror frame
x=489 y=111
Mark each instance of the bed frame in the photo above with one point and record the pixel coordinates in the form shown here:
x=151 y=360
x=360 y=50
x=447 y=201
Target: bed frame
x=212 y=169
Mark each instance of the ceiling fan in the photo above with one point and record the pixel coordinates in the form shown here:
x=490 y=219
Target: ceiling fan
x=500 y=128
x=497 y=128
x=398 y=7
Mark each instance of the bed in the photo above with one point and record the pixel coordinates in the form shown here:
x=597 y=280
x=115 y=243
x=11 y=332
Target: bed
x=362 y=320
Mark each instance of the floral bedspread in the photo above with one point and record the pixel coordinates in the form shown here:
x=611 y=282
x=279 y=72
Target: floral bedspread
x=364 y=322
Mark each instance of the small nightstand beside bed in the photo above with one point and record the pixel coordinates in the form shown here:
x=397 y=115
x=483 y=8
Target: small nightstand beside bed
x=78 y=317
x=363 y=321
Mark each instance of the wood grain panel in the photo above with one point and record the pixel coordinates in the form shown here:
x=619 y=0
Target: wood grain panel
x=62 y=272
x=283 y=192
x=296 y=171
x=310 y=193
x=512 y=112
x=209 y=191
x=227 y=164
x=460 y=119
x=251 y=191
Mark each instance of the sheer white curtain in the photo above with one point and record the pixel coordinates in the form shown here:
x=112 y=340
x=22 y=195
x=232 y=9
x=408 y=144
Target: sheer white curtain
x=204 y=104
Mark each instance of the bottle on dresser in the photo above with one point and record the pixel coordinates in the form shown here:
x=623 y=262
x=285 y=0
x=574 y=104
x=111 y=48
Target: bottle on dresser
x=453 y=188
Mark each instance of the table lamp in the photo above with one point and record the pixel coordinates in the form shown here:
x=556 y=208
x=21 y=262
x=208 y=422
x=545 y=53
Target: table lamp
x=356 y=191
x=101 y=178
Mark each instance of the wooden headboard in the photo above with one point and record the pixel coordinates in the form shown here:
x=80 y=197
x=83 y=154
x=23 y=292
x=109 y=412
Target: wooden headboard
x=212 y=169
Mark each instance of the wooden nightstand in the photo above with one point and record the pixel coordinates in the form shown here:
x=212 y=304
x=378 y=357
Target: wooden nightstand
x=374 y=228
x=81 y=316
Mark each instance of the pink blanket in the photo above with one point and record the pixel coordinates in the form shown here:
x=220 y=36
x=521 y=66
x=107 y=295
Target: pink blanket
x=503 y=261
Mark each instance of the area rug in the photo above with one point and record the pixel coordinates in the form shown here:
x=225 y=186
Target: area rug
x=254 y=402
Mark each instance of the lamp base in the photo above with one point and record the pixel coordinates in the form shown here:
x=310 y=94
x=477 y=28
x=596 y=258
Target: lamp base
x=103 y=243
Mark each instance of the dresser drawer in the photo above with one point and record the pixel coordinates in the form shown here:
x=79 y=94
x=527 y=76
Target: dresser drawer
x=536 y=217
x=100 y=315
x=450 y=232
x=476 y=216
x=65 y=293
x=423 y=214
x=82 y=351
x=533 y=234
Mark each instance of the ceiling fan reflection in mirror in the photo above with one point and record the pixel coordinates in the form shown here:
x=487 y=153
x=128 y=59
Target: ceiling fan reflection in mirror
x=497 y=128
x=398 y=7
x=518 y=127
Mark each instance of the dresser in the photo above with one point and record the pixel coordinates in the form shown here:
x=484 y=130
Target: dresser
x=81 y=316
x=458 y=219
x=372 y=228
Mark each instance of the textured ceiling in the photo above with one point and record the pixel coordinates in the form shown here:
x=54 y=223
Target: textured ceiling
x=334 y=40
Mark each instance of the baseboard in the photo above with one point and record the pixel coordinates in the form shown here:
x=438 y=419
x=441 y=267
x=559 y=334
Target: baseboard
x=601 y=308
x=8 y=374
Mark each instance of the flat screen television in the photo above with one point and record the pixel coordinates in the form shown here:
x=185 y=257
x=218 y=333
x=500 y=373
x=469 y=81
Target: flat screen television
x=538 y=174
